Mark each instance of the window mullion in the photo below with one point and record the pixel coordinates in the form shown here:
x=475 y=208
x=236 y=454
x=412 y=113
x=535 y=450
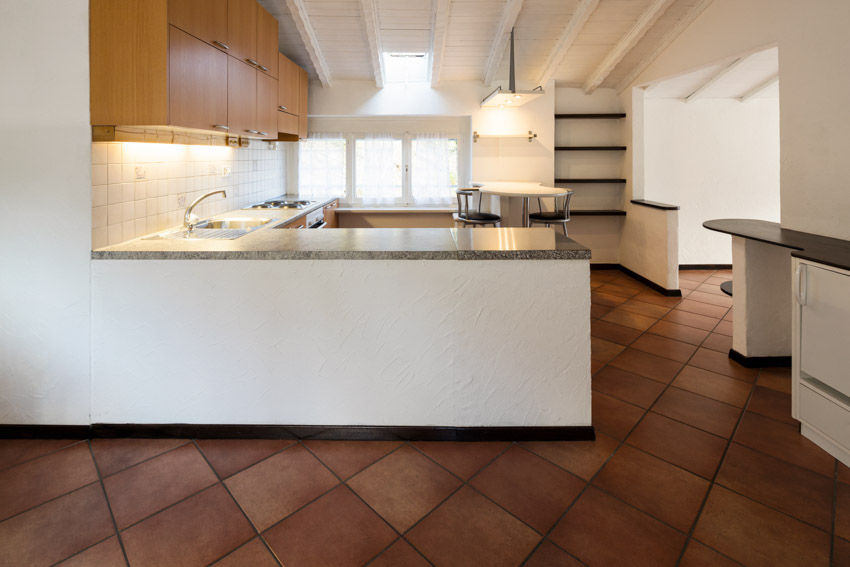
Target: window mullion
x=406 y=184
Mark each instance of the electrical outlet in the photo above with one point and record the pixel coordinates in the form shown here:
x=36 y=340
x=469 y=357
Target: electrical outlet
x=141 y=174
x=233 y=141
x=225 y=172
x=181 y=200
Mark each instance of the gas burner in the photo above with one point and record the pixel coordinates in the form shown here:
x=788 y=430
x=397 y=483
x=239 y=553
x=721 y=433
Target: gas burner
x=281 y=204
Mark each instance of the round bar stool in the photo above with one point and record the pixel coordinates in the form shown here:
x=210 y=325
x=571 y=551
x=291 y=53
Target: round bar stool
x=476 y=217
x=558 y=216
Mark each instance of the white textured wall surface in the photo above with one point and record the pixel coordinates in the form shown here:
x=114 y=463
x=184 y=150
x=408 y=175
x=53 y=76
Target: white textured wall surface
x=649 y=243
x=716 y=158
x=45 y=228
x=454 y=343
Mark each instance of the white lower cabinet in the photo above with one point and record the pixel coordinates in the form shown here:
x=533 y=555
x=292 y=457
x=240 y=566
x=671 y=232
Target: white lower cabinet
x=821 y=356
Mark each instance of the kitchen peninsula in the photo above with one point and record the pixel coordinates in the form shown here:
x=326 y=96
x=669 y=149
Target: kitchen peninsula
x=420 y=333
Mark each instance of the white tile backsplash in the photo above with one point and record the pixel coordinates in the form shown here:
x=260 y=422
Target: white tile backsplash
x=137 y=188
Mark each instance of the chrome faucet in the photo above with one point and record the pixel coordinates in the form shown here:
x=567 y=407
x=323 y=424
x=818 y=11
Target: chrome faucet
x=189 y=219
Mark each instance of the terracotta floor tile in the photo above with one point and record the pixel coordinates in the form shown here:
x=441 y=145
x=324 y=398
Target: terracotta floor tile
x=403 y=487
x=678 y=332
x=718 y=342
x=229 y=456
x=657 y=299
x=783 y=441
x=612 y=289
x=647 y=309
x=701 y=412
x=721 y=364
x=648 y=365
x=463 y=459
x=275 y=488
x=612 y=416
x=627 y=386
x=470 y=531
x=337 y=529
x=843 y=473
x=596 y=366
x=531 y=488
x=713 y=385
x=689 y=319
x=603 y=275
x=688 y=284
x=597 y=311
x=603 y=351
x=656 y=487
x=37 y=481
x=613 y=332
x=771 y=403
x=113 y=455
x=582 y=458
x=716 y=280
x=796 y=491
x=629 y=319
x=16 y=451
x=778 y=379
x=682 y=445
x=400 y=554
x=754 y=534
x=699 y=555
x=606 y=299
x=841 y=553
x=662 y=346
x=842 y=511
x=695 y=275
x=724 y=328
x=729 y=316
x=197 y=531
x=56 y=530
x=147 y=488
x=548 y=555
x=711 y=288
x=600 y=530
x=347 y=458
x=625 y=280
x=721 y=300
x=253 y=554
x=704 y=309
x=107 y=553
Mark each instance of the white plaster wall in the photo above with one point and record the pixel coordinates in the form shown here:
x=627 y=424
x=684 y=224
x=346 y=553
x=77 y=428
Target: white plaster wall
x=716 y=158
x=342 y=342
x=46 y=212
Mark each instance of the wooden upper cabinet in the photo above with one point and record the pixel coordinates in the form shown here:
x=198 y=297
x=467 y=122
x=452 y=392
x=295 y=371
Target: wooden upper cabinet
x=267 y=42
x=204 y=19
x=197 y=94
x=241 y=98
x=242 y=30
x=288 y=85
x=267 y=106
x=303 y=81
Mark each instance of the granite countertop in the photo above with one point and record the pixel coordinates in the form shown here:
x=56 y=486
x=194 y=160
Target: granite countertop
x=270 y=243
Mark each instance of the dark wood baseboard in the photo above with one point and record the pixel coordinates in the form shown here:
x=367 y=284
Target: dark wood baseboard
x=760 y=361
x=44 y=431
x=705 y=266
x=342 y=432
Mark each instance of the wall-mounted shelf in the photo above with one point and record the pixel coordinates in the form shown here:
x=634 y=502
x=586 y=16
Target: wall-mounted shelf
x=589 y=148
x=597 y=213
x=589 y=116
x=530 y=136
x=590 y=181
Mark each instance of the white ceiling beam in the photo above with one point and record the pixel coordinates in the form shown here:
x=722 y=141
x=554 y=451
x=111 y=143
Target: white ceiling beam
x=626 y=43
x=752 y=93
x=369 y=9
x=497 y=49
x=438 y=39
x=697 y=94
x=568 y=36
x=663 y=44
x=308 y=36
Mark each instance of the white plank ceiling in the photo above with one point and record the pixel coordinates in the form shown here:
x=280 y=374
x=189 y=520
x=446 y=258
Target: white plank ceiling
x=579 y=43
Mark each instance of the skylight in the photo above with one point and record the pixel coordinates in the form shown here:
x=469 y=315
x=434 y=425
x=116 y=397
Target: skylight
x=406 y=67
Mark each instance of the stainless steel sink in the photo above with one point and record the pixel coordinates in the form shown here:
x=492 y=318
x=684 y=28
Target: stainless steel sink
x=232 y=223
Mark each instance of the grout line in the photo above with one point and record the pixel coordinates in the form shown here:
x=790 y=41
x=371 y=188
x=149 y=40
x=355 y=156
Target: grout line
x=71 y=444
x=31 y=508
x=834 y=514
x=108 y=504
x=134 y=465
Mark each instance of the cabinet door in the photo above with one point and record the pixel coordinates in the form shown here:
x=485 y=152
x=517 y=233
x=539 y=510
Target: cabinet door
x=242 y=29
x=204 y=19
x=300 y=223
x=267 y=106
x=330 y=214
x=302 y=103
x=267 y=42
x=288 y=85
x=825 y=327
x=287 y=124
x=197 y=75
x=241 y=98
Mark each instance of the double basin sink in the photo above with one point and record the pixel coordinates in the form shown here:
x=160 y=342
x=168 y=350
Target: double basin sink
x=216 y=229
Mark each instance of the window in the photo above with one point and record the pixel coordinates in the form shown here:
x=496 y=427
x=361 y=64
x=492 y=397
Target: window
x=406 y=67
x=377 y=175
x=321 y=166
x=433 y=168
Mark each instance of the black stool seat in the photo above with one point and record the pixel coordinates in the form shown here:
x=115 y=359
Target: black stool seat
x=549 y=216
x=475 y=216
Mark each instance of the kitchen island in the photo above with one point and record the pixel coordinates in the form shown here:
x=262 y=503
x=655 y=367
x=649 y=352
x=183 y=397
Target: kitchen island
x=365 y=333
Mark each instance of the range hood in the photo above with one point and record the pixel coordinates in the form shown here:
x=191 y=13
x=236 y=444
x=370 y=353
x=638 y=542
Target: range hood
x=511 y=97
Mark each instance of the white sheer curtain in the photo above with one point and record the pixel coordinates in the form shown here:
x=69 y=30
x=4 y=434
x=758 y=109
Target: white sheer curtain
x=433 y=169
x=321 y=165
x=377 y=175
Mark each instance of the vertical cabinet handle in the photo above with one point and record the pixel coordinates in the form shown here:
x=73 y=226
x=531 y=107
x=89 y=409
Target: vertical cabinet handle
x=801 y=291
x=221 y=44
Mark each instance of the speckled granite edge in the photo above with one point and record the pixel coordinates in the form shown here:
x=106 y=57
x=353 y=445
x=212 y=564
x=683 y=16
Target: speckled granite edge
x=523 y=255
x=274 y=255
